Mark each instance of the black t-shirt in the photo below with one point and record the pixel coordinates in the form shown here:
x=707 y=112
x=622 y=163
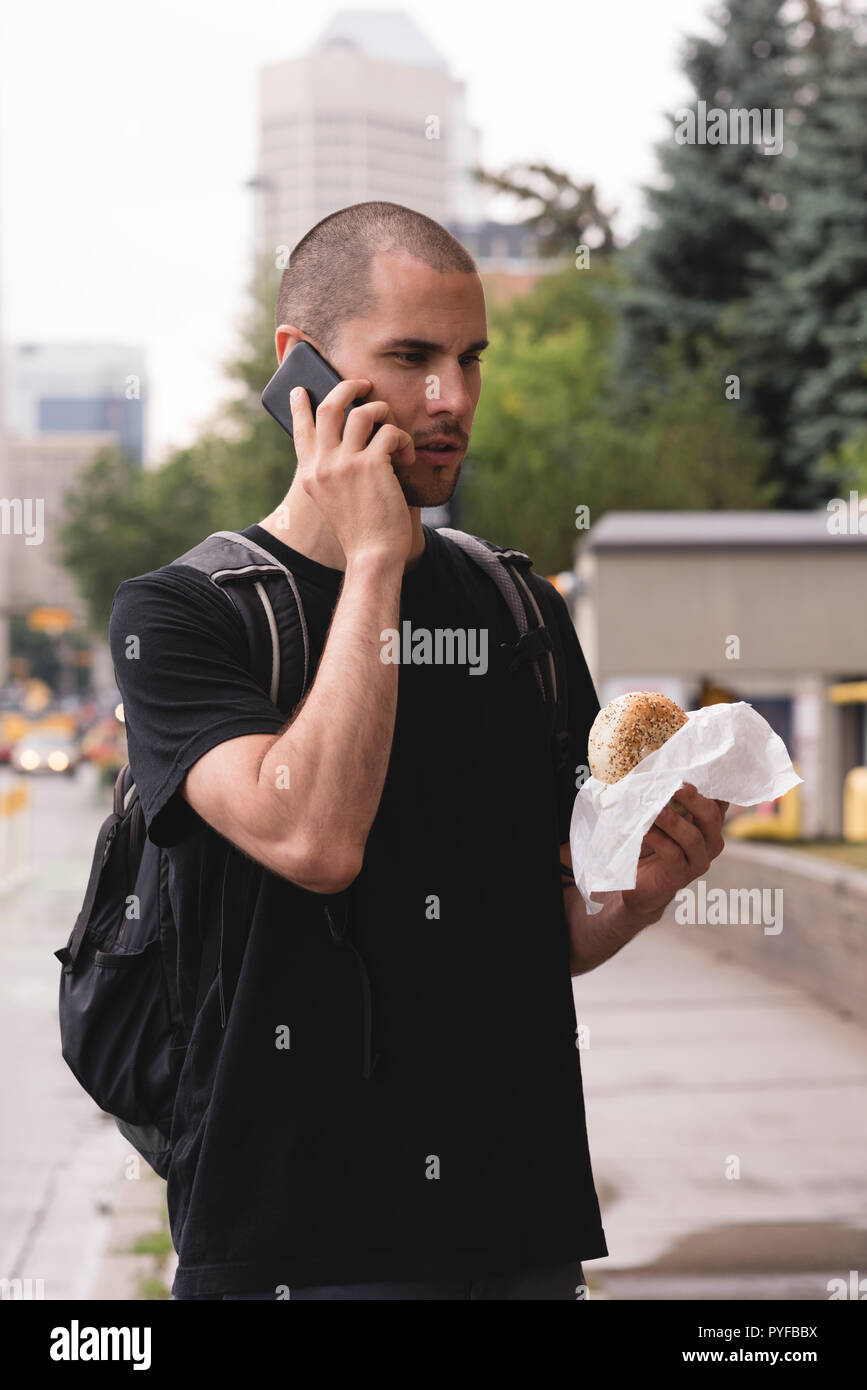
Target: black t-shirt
x=465 y=1153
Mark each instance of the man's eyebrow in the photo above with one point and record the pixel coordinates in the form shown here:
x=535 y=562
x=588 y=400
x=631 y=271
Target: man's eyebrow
x=422 y=345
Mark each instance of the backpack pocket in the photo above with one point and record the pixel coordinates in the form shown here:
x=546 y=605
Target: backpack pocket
x=121 y=1035
x=118 y=1034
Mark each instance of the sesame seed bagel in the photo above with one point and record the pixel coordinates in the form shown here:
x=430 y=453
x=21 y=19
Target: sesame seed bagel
x=629 y=728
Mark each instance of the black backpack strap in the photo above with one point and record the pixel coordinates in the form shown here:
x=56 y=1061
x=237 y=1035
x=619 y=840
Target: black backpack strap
x=212 y=947
x=266 y=596
x=560 y=736
x=538 y=639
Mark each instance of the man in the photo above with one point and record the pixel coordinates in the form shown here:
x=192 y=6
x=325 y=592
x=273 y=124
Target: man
x=452 y=1162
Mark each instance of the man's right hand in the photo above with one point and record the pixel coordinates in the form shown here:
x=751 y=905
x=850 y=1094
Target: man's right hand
x=354 y=486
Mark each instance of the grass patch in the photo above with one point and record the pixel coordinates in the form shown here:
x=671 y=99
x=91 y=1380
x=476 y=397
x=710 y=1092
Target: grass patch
x=154 y=1286
x=155 y=1243
x=153 y=1289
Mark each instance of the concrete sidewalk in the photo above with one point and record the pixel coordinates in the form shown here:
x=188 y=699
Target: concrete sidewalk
x=697 y=1070
x=102 y=1233
x=71 y=1208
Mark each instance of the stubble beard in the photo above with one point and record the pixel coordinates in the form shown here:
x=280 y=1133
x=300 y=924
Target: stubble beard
x=434 y=493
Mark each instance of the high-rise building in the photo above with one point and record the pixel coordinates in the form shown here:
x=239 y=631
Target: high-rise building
x=371 y=112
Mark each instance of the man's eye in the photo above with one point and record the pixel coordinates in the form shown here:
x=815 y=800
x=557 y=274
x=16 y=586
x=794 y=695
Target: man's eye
x=415 y=357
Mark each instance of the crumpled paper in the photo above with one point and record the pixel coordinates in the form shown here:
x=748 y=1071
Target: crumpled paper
x=726 y=750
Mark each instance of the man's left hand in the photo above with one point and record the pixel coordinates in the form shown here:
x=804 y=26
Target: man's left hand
x=676 y=850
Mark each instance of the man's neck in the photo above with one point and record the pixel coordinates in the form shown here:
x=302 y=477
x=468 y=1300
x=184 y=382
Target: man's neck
x=298 y=523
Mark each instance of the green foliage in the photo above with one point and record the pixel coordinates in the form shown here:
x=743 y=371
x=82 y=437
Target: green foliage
x=552 y=431
x=765 y=254
x=806 y=336
x=700 y=449
x=154 y=1243
x=847 y=467
x=709 y=214
x=251 y=463
x=122 y=520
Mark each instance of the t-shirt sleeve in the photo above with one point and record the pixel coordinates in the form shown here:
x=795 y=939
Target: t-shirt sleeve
x=583 y=708
x=181 y=660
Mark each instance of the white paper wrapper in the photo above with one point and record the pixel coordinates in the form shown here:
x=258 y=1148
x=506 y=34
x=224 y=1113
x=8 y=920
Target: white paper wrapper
x=727 y=751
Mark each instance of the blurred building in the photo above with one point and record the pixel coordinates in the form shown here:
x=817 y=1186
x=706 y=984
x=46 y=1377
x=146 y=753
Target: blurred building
x=62 y=403
x=76 y=388
x=42 y=470
x=659 y=596
x=507 y=256
x=372 y=112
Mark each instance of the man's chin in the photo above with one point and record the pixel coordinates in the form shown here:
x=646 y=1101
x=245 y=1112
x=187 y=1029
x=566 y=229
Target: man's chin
x=434 y=492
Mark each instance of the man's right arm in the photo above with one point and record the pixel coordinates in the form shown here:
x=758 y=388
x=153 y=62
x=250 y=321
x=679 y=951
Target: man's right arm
x=302 y=802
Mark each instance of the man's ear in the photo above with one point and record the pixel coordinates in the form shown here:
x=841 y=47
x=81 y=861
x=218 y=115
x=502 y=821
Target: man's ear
x=285 y=338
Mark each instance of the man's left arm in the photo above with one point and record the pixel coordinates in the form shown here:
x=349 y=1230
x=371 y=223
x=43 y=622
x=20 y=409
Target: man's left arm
x=674 y=851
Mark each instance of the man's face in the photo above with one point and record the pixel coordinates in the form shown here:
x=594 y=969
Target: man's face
x=420 y=347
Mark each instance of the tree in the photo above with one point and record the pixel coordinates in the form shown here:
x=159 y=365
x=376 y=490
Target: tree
x=552 y=432
x=806 y=335
x=251 y=460
x=710 y=213
x=568 y=213
x=122 y=520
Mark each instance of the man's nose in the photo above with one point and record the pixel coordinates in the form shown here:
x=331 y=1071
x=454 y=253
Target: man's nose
x=449 y=393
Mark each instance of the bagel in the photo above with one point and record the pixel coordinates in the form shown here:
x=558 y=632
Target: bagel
x=629 y=728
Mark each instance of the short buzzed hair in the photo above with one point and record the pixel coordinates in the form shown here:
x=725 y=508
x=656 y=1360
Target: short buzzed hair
x=328 y=278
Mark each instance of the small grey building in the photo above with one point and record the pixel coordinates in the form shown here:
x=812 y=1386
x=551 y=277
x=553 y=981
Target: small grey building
x=768 y=607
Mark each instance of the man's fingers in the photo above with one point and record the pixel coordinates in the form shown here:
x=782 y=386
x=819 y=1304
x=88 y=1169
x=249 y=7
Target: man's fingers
x=656 y=841
x=331 y=411
x=302 y=420
x=707 y=813
x=689 y=838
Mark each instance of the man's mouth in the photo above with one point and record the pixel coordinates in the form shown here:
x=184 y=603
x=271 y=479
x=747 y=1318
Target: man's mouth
x=441 y=452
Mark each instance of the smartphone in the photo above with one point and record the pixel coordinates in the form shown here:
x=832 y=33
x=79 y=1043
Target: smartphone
x=303 y=366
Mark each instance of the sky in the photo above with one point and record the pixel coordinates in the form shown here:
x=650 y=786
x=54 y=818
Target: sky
x=128 y=133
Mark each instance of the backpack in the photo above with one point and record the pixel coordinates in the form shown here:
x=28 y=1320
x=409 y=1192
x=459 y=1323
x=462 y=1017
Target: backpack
x=121 y=1027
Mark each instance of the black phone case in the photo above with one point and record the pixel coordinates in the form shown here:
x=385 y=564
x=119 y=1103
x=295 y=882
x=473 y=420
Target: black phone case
x=303 y=366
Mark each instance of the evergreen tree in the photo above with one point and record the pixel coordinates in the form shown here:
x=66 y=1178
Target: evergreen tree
x=711 y=214
x=805 y=338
